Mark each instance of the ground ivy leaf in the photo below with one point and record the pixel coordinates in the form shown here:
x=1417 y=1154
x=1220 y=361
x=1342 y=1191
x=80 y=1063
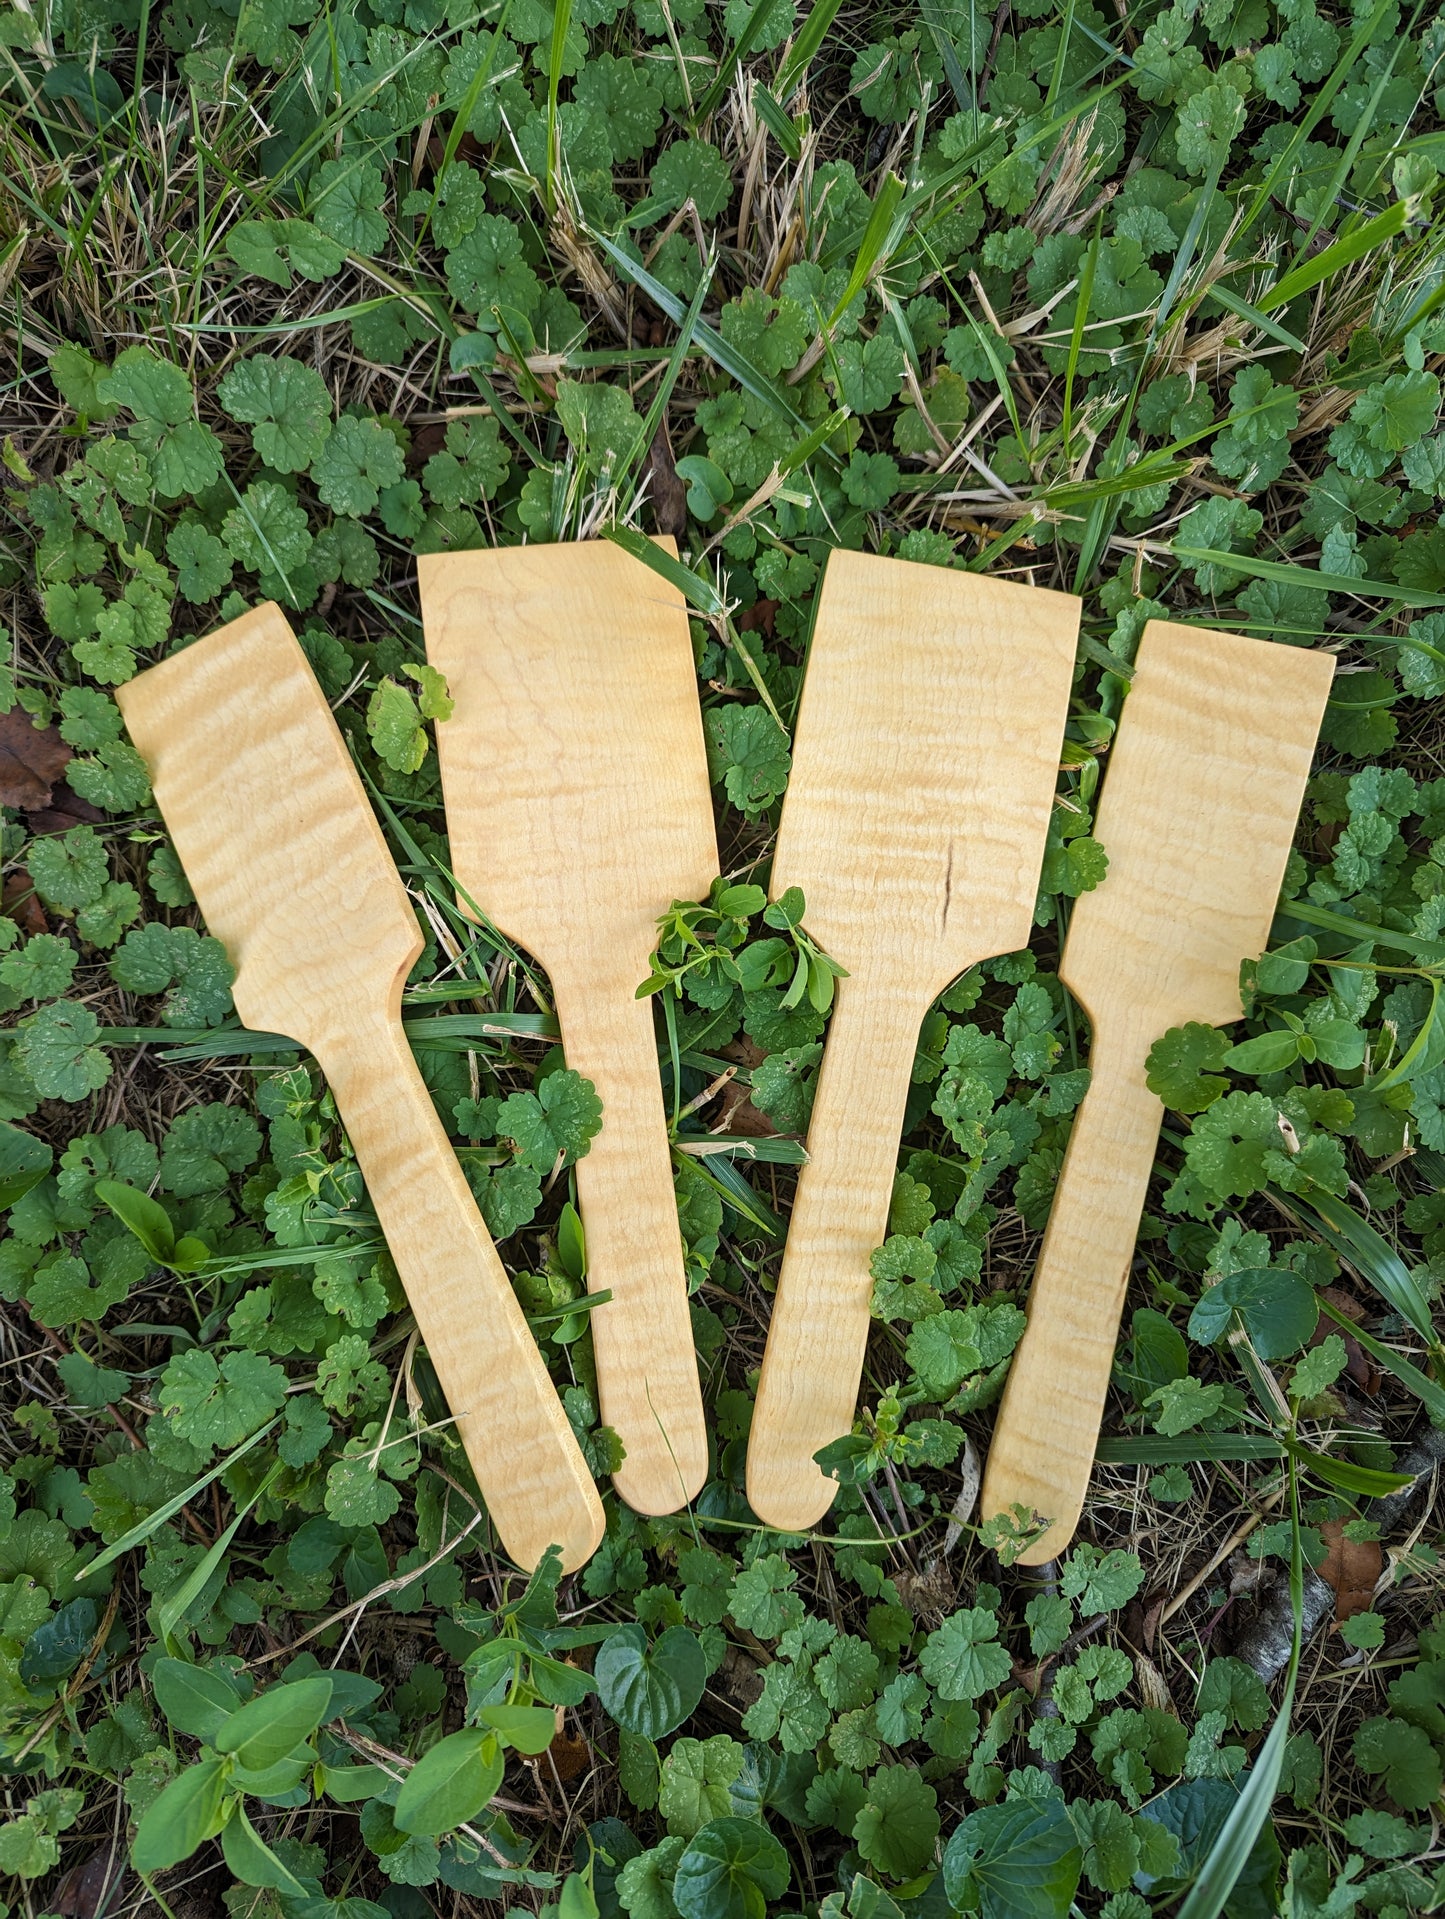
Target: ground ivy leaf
x=346 y=198
x=286 y=405
x=69 y=870
x=56 y=1047
x=203 y=566
x=1100 y=1581
x=748 y=752
x=691 y=170
x=215 y=1404
x=696 y=1779
x=189 y=967
x=358 y=459
x=961 y=1659
x=896 y=1828
x=761 y=1600
x=275 y=249
x=486 y=270
x=356 y=1494
x=206 y=1146
x=394 y=726
x=562 y=1117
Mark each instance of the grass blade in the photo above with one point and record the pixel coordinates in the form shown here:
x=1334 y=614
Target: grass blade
x=759 y=15
x=806 y=45
x=1344 y=253
x=1230 y=1852
x=1307 y=576
x=738 y=365
x=694 y=589
x=1371 y=1255
x=152 y=1523
x=1430 y=1396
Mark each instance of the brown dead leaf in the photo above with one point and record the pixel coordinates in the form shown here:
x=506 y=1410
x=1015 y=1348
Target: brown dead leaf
x=22 y=904
x=738 y=1114
x=1359 y=1366
x=427 y=439
x=32 y=759
x=1246 y=1575
x=929 y=1595
x=66 y=809
x=665 y=490
x=759 y=618
x=92 y=1886
x=1152 y=1689
x=1351 y=1569
x=741 y=1677
x=569 y=1755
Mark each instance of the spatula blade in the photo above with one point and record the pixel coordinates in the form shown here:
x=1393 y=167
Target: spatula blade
x=1201 y=797
x=924 y=765
x=576 y=741
x=243 y=748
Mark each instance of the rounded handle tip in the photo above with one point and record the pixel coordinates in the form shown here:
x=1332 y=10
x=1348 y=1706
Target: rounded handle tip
x=664 y=1479
x=790 y=1495
x=578 y=1532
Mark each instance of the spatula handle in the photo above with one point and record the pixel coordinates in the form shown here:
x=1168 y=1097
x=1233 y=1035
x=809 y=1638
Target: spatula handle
x=814 y=1357
x=1042 y=1450
x=646 y=1364
x=533 y=1477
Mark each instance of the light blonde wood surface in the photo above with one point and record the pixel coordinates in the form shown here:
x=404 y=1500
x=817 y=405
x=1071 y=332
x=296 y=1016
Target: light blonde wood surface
x=293 y=876
x=1198 y=812
x=923 y=774
x=578 y=809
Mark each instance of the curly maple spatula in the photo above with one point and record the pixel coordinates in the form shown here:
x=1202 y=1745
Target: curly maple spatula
x=578 y=809
x=1197 y=816
x=291 y=871
x=923 y=773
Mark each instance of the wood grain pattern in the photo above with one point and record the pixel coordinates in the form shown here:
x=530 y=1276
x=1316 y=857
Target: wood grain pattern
x=578 y=809
x=923 y=774
x=293 y=876
x=1198 y=813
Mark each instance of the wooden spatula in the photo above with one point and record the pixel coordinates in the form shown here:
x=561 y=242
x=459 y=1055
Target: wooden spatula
x=923 y=773
x=578 y=808
x=294 y=878
x=1197 y=815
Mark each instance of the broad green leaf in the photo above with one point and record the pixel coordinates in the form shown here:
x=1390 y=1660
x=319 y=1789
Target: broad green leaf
x=650 y=1688
x=24 y=1162
x=730 y=1870
x=195 y=1700
x=278 y=1720
x=142 y=1215
x=1019 y=1860
x=450 y=1783
x=185 y=1815
x=1279 y=1310
x=252 y=1861
x=531 y=1729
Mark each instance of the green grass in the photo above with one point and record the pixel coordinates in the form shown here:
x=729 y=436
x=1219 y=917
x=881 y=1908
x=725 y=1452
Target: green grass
x=1144 y=304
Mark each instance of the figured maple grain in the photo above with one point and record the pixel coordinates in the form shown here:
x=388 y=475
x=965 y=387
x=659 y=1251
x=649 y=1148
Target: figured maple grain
x=923 y=773
x=294 y=878
x=578 y=809
x=1198 y=813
